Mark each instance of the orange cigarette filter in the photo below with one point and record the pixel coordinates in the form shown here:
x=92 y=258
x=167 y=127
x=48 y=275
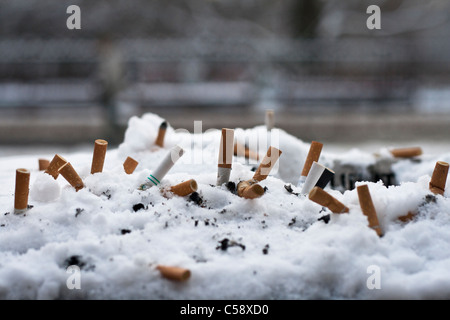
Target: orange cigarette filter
x=184 y=188
x=98 y=158
x=43 y=164
x=407 y=217
x=161 y=134
x=130 y=165
x=21 y=190
x=267 y=164
x=249 y=189
x=174 y=273
x=406 y=152
x=313 y=155
x=241 y=150
x=367 y=207
x=226 y=145
x=54 y=166
x=439 y=178
x=325 y=199
x=69 y=173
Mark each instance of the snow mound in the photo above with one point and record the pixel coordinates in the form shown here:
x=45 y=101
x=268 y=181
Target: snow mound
x=279 y=246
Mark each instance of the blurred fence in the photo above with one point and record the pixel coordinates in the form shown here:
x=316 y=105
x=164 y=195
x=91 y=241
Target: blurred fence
x=67 y=79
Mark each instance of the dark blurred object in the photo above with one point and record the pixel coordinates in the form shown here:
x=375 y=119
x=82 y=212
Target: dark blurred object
x=111 y=76
x=305 y=18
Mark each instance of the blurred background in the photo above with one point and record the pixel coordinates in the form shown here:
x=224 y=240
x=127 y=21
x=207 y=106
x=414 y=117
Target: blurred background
x=315 y=62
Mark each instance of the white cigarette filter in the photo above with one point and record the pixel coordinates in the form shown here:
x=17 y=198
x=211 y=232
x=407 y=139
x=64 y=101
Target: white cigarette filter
x=225 y=156
x=166 y=164
x=270 y=121
x=318 y=176
x=313 y=155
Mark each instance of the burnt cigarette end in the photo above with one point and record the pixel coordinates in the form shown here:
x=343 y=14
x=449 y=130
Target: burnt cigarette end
x=43 y=164
x=320 y=196
x=174 y=273
x=439 y=178
x=249 y=189
x=130 y=165
x=185 y=188
x=313 y=155
x=406 y=152
x=21 y=190
x=368 y=209
x=161 y=134
x=69 y=173
x=98 y=157
x=54 y=166
x=267 y=164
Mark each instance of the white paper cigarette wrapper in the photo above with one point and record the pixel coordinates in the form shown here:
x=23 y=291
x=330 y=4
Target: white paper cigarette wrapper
x=223 y=175
x=166 y=164
x=313 y=176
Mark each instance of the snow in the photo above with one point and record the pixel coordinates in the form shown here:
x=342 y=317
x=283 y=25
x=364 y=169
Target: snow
x=282 y=250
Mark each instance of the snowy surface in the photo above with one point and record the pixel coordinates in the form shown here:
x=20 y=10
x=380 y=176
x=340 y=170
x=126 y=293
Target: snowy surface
x=282 y=251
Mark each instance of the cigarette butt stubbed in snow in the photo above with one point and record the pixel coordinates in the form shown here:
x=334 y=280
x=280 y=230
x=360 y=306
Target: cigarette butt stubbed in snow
x=267 y=164
x=439 y=178
x=69 y=173
x=225 y=156
x=21 y=190
x=185 y=188
x=243 y=151
x=406 y=152
x=319 y=176
x=161 y=134
x=249 y=189
x=368 y=209
x=166 y=164
x=174 y=273
x=43 y=164
x=98 y=157
x=54 y=166
x=313 y=155
x=325 y=199
x=130 y=165
x=270 y=120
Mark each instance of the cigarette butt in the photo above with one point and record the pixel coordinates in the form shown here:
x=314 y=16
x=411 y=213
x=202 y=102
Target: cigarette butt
x=313 y=155
x=174 y=273
x=164 y=166
x=267 y=164
x=69 y=173
x=249 y=189
x=407 y=217
x=406 y=152
x=226 y=148
x=43 y=164
x=243 y=151
x=184 y=188
x=439 y=178
x=161 y=134
x=54 y=166
x=98 y=157
x=325 y=199
x=270 y=120
x=22 y=190
x=129 y=165
x=319 y=176
x=367 y=207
